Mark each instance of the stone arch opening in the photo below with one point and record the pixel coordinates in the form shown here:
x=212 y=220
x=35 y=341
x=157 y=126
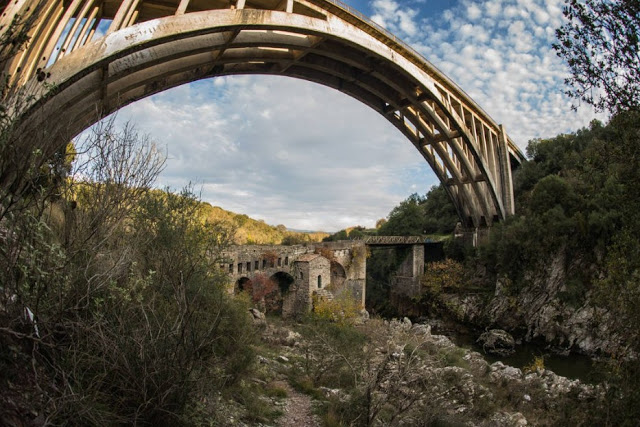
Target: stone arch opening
x=283 y=280
x=243 y=284
x=283 y=283
x=338 y=275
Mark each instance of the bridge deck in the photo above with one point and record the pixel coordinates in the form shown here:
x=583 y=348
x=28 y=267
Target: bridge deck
x=392 y=240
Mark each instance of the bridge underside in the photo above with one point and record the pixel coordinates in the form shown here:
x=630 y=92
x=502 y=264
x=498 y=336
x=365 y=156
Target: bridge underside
x=151 y=46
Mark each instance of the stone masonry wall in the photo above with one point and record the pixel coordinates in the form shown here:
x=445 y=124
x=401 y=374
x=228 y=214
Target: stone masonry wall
x=249 y=260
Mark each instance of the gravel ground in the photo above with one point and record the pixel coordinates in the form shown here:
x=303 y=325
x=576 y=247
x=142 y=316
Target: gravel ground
x=297 y=412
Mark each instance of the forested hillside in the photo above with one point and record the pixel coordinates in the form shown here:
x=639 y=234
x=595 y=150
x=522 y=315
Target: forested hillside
x=578 y=198
x=256 y=232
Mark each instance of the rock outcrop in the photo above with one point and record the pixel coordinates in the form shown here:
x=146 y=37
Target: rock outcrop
x=540 y=311
x=497 y=342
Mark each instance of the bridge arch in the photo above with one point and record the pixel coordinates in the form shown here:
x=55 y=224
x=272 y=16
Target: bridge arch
x=150 y=48
x=284 y=281
x=242 y=284
x=338 y=274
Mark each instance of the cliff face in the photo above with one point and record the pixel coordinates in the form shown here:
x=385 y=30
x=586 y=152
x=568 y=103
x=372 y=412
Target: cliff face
x=540 y=311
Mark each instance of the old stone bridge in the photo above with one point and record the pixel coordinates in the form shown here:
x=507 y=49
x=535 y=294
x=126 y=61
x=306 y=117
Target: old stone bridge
x=88 y=58
x=326 y=269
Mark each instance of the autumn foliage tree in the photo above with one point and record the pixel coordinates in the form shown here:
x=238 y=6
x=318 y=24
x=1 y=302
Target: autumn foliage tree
x=442 y=275
x=260 y=286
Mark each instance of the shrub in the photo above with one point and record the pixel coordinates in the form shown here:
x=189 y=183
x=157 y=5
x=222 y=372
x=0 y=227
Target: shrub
x=343 y=309
x=134 y=320
x=537 y=365
x=443 y=275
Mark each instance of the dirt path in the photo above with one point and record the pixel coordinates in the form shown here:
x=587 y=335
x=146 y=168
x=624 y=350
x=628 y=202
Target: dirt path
x=298 y=410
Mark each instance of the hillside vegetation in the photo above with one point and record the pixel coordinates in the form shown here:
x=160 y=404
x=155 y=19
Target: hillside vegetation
x=578 y=198
x=256 y=232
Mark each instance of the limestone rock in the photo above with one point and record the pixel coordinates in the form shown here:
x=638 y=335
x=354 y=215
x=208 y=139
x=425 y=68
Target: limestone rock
x=476 y=362
x=258 y=317
x=291 y=339
x=500 y=371
x=407 y=323
x=497 y=342
x=422 y=329
x=506 y=419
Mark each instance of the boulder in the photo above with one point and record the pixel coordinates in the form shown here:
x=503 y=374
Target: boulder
x=497 y=342
x=258 y=317
x=292 y=339
x=283 y=359
x=422 y=329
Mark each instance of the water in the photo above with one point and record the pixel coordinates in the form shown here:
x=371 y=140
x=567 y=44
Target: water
x=573 y=366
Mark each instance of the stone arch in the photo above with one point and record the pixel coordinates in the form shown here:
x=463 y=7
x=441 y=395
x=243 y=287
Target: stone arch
x=314 y=40
x=338 y=274
x=283 y=280
x=243 y=284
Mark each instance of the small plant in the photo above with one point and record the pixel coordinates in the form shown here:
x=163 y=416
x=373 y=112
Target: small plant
x=453 y=357
x=327 y=253
x=276 y=390
x=262 y=286
x=537 y=365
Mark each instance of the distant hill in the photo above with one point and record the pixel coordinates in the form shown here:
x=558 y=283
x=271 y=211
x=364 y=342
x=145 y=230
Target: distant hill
x=257 y=232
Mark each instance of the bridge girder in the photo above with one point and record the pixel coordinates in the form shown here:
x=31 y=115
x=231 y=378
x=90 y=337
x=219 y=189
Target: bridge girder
x=151 y=46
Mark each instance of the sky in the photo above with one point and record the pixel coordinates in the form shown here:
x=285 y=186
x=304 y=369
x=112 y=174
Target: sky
x=295 y=153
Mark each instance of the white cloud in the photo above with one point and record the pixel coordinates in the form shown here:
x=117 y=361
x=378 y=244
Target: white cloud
x=291 y=152
x=317 y=160
x=395 y=18
x=473 y=11
x=507 y=66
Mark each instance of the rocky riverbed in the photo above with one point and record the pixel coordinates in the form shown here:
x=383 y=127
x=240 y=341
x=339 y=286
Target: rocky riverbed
x=399 y=373
x=541 y=311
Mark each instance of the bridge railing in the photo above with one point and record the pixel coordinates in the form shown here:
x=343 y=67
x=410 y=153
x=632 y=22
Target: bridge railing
x=393 y=240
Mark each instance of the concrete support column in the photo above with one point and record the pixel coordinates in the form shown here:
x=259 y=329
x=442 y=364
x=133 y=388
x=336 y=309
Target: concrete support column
x=505 y=173
x=11 y=10
x=52 y=39
x=123 y=12
x=407 y=278
x=69 y=37
x=417 y=252
x=86 y=28
x=182 y=7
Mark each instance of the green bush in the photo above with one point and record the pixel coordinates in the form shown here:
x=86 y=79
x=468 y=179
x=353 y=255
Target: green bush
x=135 y=324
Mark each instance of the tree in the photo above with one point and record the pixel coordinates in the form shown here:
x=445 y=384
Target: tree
x=406 y=219
x=600 y=44
x=440 y=213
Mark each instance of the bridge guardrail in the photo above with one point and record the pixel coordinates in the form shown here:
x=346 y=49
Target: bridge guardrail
x=393 y=240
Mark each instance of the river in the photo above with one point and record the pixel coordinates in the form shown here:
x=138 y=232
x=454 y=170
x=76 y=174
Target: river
x=574 y=366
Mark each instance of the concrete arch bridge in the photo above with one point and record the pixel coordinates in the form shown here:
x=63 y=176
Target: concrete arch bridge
x=326 y=269
x=88 y=58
